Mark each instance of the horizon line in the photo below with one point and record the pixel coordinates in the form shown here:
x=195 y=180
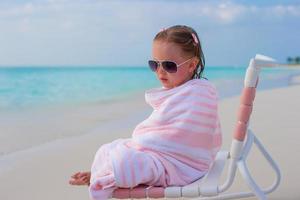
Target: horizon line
x=97 y=66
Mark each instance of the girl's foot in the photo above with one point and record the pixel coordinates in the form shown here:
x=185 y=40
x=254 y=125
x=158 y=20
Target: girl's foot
x=80 y=178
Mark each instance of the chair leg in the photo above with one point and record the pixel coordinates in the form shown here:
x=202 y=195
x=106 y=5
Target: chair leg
x=250 y=181
x=260 y=193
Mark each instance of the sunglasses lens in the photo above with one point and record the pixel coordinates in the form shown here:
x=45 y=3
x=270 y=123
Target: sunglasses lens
x=169 y=66
x=153 y=65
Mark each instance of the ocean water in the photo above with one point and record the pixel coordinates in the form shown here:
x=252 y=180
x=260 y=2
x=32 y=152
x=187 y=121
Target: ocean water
x=27 y=87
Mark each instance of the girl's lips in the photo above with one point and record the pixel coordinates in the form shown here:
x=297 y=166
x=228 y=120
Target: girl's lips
x=163 y=79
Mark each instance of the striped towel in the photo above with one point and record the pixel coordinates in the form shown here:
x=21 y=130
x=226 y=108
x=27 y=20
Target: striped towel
x=175 y=145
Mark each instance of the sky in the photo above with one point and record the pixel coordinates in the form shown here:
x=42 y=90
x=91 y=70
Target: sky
x=120 y=32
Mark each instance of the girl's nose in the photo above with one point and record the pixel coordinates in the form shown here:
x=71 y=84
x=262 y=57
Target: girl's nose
x=160 y=70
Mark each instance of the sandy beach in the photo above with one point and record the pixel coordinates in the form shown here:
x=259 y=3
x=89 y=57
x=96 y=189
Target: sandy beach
x=43 y=171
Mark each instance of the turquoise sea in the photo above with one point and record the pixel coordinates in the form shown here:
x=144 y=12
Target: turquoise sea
x=26 y=87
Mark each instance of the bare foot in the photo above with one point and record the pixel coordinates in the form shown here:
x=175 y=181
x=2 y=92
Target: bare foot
x=80 y=178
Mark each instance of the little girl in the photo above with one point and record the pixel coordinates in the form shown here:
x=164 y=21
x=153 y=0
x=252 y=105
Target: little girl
x=178 y=142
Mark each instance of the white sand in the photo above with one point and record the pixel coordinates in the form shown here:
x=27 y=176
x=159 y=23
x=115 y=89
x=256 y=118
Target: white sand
x=36 y=126
x=42 y=172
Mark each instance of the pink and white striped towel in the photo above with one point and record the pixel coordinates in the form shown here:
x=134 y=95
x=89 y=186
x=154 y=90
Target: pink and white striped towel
x=175 y=145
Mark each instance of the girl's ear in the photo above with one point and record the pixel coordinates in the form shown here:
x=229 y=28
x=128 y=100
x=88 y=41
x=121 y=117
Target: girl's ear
x=193 y=65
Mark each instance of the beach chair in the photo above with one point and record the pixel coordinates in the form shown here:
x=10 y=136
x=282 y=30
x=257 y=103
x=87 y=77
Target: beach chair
x=208 y=187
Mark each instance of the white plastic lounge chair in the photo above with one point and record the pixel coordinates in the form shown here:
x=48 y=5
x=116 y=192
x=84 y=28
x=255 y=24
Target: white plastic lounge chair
x=208 y=188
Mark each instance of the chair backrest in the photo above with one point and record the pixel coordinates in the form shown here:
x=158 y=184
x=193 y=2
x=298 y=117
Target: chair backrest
x=246 y=101
x=244 y=113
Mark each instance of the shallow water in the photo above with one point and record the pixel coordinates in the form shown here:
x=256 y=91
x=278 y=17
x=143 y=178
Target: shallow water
x=27 y=87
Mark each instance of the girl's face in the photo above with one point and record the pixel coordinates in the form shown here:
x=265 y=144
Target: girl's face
x=170 y=51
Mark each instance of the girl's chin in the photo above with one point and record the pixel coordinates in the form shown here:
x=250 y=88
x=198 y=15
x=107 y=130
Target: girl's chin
x=167 y=85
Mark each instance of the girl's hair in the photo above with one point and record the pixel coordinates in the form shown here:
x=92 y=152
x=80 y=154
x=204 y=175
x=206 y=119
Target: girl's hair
x=183 y=36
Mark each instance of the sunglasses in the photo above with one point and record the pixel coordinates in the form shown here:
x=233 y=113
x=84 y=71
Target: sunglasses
x=168 y=66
